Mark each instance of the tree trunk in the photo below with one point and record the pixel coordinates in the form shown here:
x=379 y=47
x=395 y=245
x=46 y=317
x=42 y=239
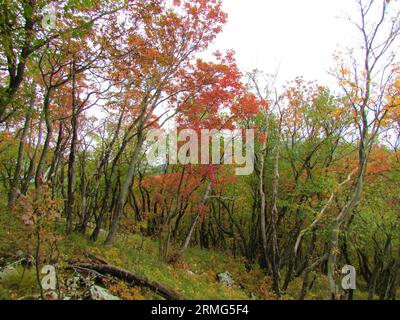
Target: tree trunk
x=46 y=146
x=15 y=183
x=274 y=220
x=69 y=206
x=124 y=189
x=263 y=223
x=132 y=279
x=194 y=221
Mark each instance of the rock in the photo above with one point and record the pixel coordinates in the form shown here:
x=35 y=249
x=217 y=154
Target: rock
x=6 y=272
x=20 y=254
x=226 y=278
x=191 y=273
x=99 y=293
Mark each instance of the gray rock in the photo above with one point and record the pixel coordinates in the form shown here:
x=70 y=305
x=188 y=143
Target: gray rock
x=6 y=272
x=20 y=254
x=99 y=293
x=226 y=278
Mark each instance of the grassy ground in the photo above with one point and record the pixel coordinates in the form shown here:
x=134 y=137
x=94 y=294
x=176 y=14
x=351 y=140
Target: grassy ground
x=195 y=277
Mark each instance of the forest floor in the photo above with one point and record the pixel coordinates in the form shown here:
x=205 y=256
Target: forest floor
x=194 y=277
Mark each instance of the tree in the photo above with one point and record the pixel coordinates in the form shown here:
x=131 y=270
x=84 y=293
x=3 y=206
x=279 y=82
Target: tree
x=22 y=36
x=163 y=67
x=365 y=85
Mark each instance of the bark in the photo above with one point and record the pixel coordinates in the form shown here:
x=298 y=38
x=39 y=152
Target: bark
x=69 y=206
x=306 y=279
x=124 y=190
x=100 y=217
x=15 y=183
x=31 y=169
x=263 y=223
x=167 y=224
x=194 y=221
x=342 y=217
x=84 y=216
x=57 y=151
x=46 y=146
x=16 y=69
x=275 y=261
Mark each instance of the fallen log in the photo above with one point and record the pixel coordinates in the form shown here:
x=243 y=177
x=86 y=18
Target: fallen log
x=94 y=258
x=131 y=278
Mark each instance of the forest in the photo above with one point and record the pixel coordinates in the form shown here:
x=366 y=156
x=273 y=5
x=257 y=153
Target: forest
x=85 y=213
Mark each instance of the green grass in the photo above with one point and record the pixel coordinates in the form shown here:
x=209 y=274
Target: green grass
x=19 y=284
x=195 y=278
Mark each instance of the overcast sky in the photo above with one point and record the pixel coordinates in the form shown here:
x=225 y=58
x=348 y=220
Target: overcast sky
x=300 y=36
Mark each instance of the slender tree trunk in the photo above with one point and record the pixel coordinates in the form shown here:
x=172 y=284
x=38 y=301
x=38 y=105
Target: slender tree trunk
x=168 y=223
x=275 y=263
x=56 y=156
x=31 y=169
x=72 y=156
x=263 y=222
x=124 y=189
x=100 y=217
x=194 y=220
x=343 y=215
x=46 y=146
x=15 y=183
x=84 y=187
x=306 y=279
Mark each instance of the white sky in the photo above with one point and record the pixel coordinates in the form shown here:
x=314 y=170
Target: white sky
x=300 y=36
